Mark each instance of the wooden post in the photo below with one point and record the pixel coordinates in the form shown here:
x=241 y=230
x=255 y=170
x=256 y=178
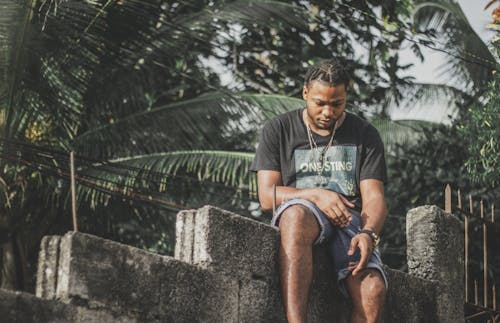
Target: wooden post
x=447 y=198
x=73 y=191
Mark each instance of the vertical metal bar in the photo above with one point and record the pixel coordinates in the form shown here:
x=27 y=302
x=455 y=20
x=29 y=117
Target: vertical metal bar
x=475 y=292
x=466 y=258
x=274 y=200
x=447 y=198
x=467 y=252
x=73 y=190
x=459 y=199
x=485 y=256
x=494 y=292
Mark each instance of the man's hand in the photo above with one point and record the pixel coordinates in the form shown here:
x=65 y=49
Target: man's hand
x=365 y=244
x=334 y=206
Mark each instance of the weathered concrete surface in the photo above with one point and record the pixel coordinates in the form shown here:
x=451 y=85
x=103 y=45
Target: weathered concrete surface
x=237 y=247
x=218 y=240
x=48 y=260
x=226 y=271
x=226 y=243
x=326 y=304
x=435 y=248
x=26 y=308
x=99 y=273
x=409 y=299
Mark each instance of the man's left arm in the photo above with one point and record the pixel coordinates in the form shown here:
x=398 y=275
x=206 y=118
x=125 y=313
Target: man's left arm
x=373 y=213
x=374 y=209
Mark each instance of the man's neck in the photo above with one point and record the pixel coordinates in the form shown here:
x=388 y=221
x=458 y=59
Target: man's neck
x=322 y=132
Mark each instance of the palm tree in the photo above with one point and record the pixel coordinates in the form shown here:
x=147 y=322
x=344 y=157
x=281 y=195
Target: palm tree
x=71 y=68
x=121 y=84
x=469 y=60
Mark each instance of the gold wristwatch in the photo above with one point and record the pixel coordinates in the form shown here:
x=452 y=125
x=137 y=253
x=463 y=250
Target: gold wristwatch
x=373 y=235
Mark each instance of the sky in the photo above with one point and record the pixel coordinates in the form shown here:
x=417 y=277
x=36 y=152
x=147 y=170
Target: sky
x=426 y=72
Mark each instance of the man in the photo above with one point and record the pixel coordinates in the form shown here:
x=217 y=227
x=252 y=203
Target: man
x=328 y=167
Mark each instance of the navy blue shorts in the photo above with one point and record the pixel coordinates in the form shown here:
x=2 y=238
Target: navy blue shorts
x=338 y=240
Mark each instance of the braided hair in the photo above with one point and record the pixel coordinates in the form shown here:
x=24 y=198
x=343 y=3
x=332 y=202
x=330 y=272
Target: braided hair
x=330 y=71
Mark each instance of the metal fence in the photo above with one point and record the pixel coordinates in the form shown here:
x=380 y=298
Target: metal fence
x=477 y=309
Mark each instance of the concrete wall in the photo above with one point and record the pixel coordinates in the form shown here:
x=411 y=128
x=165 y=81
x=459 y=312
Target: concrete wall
x=225 y=270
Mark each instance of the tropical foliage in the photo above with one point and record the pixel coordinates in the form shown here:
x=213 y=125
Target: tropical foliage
x=481 y=126
x=130 y=87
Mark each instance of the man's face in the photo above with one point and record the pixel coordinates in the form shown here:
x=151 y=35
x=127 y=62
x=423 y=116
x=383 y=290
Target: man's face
x=325 y=104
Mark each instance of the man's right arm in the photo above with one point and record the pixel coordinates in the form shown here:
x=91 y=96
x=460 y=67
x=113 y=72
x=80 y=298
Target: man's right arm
x=331 y=203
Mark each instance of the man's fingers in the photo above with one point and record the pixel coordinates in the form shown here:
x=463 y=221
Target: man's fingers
x=345 y=201
x=346 y=214
x=352 y=247
x=333 y=216
x=341 y=216
x=362 y=261
x=352 y=265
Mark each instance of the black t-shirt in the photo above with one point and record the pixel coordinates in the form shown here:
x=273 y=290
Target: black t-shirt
x=357 y=153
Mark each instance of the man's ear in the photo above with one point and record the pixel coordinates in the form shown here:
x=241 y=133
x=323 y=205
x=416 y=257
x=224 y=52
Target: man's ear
x=305 y=91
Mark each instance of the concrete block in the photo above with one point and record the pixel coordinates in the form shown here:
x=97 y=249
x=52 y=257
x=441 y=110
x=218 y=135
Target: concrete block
x=226 y=270
x=193 y=294
x=326 y=303
x=435 y=248
x=254 y=301
x=227 y=243
x=95 y=273
x=184 y=234
x=48 y=258
x=409 y=299
x=26 y=308
x=8 y=305
x=101 y=273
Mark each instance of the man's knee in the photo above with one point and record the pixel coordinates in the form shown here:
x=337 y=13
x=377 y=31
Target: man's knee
x=374 y=289
x=298 y=222
x=371 y=286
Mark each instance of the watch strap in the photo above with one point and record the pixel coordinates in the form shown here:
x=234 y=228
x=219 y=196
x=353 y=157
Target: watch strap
x=375 y=238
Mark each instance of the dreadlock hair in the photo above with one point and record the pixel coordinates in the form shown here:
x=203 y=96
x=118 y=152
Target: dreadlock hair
x=330 y=71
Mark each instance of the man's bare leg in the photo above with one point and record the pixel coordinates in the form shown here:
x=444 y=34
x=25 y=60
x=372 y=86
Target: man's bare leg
x=367 y=290
x=299 y=229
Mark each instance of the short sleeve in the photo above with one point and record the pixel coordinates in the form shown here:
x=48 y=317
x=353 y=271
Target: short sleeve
x=267 y=155
x=373 y=164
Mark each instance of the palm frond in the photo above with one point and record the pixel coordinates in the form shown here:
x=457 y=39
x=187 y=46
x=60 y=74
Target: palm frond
x=262 y=12
x=226 y=167
x=400 y=132
x=157 y=177
x=211 y=122
x=417 y=97
x=469 y=62
x=12 y=48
